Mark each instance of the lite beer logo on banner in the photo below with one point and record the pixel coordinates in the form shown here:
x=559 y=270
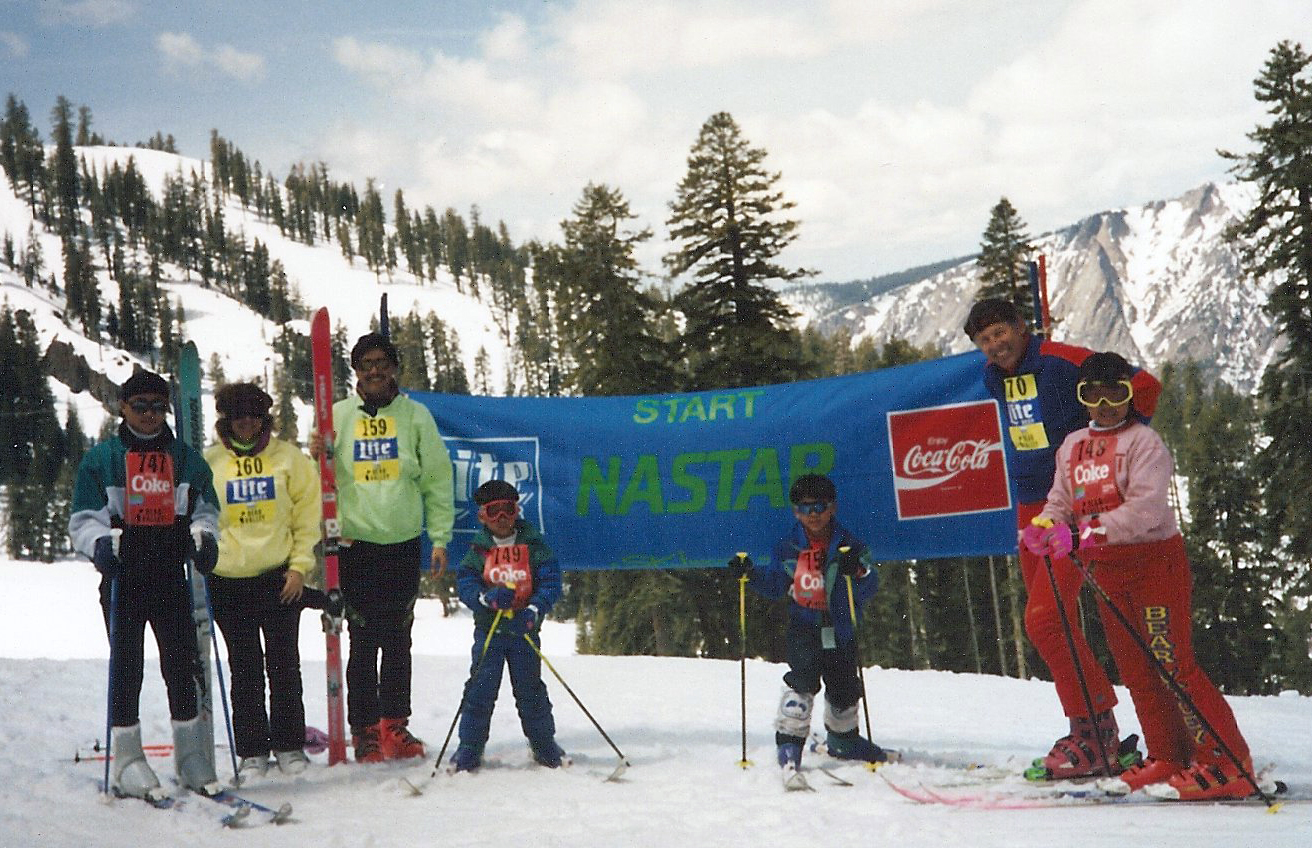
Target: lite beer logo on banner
x=948 y=460
x=514 y=459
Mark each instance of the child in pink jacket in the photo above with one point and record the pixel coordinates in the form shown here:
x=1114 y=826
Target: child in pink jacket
x=1108 y=500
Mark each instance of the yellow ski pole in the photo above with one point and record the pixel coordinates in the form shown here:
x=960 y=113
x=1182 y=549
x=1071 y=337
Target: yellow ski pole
x=461 y=708
x=856 y=650
x=742 y=658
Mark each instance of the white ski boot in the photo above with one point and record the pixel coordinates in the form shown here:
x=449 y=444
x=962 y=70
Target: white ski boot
x=191 y=761
x=130 y=775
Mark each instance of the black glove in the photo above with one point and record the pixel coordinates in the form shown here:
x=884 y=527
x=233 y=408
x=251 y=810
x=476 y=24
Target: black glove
x=528 y=618
x=104 y=558
x=849 y=563
x=498 y=598
x=206 y=556
x=740 y=566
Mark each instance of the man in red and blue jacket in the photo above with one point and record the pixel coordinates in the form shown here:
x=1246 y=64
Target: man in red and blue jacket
x=1034 y=380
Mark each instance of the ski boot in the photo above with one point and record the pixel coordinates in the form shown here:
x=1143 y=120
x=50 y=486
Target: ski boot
x=466 y=758
x=853 y=746
x=790 y=763
x=131 y=776
x=367 y=745
x=1146 y=773
x=191 y=760
x=1077 y=753
x=252 y=768
x=396 y=740
x=292 y=762
x=1221 y=780
x=548 y=753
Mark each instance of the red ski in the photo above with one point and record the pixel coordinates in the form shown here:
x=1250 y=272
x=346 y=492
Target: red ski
x=321 y=348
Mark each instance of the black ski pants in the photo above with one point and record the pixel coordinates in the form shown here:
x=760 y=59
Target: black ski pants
x=158 y=596
x=380 y=584
x=247 y=609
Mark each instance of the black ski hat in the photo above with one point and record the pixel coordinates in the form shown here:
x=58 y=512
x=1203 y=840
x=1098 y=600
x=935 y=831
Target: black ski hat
x=495 y=490
x=812 y=487
x=374 y=341
x=143 y=383
x=1106 y=367
x=235 y=399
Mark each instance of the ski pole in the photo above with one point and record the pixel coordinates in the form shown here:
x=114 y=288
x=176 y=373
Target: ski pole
x=1179 y=691
x=742 y=657
x=114 y=535
x=856 y=649
x=465 y=694
x=623 y=760
x=1079 y=667
x=218 y=669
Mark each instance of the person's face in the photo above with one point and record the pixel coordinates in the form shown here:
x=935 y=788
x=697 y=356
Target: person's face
x=374 y=372
x=1003 y=344
x=814 y=515
x=246 y=426
x=145 y=413
x=499 y=517
x=1098 y=398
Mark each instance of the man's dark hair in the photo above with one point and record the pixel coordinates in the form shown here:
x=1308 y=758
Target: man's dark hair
x=812 y=487
x=374 y=341
x=993 y=310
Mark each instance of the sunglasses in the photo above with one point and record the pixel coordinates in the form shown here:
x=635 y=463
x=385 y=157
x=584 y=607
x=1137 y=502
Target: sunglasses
x=811 y=508
x=501 y=509
x=367 y=365
x=1094 y=392
x=141 y=407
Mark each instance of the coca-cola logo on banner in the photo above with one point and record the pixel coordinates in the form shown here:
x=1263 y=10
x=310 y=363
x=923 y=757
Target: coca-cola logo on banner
x=948 y=460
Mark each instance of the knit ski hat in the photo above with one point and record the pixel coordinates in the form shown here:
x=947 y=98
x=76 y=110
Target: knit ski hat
x=495 y=490
x=237 y=399
x=143 y=383
x=1104 y=367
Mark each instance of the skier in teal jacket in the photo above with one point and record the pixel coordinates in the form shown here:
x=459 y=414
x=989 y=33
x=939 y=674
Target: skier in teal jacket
x=156 y=493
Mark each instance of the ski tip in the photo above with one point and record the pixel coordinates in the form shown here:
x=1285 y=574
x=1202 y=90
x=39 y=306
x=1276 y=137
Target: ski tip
x=283 y=813
x=620 y=768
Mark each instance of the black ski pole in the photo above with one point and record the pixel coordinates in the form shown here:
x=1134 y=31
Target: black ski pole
x=624 y=763
x=1176 y=688
x=742 y=658
x=1079 y=667
x=223 y=689
x=460 y=708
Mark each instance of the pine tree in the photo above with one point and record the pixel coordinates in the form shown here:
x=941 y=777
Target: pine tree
x=727 y=225
x=1275 y=242
x=65 y=168
x=1004 y=259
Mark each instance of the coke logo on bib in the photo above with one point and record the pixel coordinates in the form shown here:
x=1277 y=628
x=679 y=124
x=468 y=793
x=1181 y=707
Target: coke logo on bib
x=811 y=582
x=948 y=460
x=505 y=575
x=1085 y=474
x=150 y=485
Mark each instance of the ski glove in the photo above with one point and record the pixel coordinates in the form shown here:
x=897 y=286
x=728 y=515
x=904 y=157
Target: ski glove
x=849 y=564
x=498 y=598
x=528 y=618
x=740 y=566
x=104 y=558
x=1044 y=538
x=205 y=555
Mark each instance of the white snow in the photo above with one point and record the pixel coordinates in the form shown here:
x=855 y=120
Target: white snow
x=677 y=721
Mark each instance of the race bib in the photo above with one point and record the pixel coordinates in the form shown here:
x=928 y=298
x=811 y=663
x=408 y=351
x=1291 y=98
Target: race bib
x=1092 y=472
x=508 y=565
x=149 y=489
x=376 y=452
x=1024 y=420
x=809 y=579
x=250 y=495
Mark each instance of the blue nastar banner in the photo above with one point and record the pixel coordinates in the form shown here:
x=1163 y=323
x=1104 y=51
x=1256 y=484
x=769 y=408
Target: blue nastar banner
x=687 y=480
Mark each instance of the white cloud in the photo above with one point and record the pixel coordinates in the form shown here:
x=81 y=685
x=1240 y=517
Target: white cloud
x=181 y=49
x=13 y=45
x=96 y=13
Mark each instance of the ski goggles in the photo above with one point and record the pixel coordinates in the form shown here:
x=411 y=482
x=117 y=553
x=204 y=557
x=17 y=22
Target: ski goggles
x=141 y=407
x=811 y=507
x=500 y=509
x=1097 y=393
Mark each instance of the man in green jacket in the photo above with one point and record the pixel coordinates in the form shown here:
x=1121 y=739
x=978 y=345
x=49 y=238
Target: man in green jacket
x=393 y=480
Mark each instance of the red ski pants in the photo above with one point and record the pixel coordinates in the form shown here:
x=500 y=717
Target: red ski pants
x=1151 y=584
x=1044 y=626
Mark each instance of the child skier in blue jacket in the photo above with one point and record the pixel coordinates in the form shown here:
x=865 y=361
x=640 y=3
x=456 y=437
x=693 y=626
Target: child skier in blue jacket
x=510 y=579
x=812 y=565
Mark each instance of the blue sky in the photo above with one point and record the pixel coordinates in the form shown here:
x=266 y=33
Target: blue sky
x=896 y=124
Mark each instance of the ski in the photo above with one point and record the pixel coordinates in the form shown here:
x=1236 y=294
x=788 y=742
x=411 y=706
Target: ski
x=190 y=421
x=820 y=746
x=231 y=817
x=322 y=355
x=794 y=780
x=245 y=807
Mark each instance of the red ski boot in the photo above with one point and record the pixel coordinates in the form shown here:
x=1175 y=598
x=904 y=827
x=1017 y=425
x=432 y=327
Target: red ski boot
x=1080 y=753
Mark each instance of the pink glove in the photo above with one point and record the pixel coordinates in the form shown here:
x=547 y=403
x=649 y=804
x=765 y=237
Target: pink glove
x=1032 y=537
x=1092 y=533
x=1059 y=540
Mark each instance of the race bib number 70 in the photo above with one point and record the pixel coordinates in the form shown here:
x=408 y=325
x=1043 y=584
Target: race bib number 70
x=1024 y=419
